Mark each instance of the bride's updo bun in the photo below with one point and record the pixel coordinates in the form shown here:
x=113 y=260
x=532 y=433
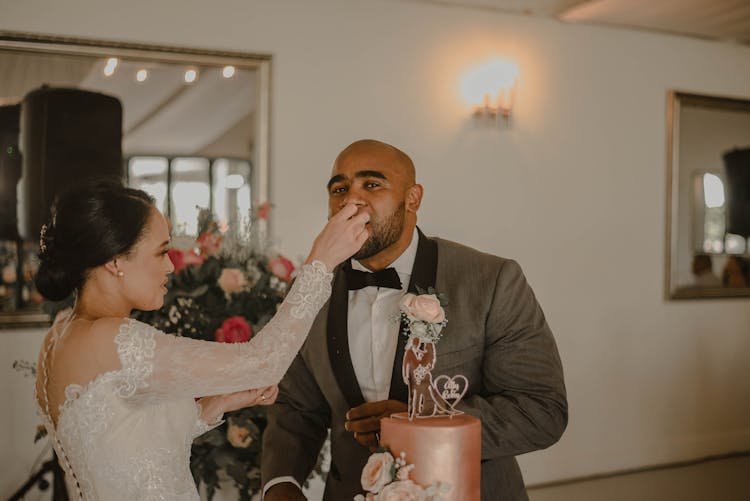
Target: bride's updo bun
x=90 y=224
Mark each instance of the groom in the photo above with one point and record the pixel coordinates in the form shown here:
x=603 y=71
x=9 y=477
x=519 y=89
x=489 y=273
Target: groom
x=348 y=374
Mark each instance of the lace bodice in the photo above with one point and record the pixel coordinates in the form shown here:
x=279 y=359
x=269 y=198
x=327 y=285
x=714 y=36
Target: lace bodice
x=127 y=433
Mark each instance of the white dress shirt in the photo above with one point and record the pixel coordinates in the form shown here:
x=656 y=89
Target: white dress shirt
x=373 y=325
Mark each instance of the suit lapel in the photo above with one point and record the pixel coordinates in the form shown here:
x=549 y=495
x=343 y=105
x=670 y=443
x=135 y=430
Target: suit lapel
x=423 y=275
x=338 y=340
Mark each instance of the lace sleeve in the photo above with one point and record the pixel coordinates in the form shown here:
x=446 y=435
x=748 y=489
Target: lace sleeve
x=162 y=364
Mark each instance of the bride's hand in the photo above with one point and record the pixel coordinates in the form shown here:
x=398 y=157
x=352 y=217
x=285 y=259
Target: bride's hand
x=344 y=234
x=216 y=405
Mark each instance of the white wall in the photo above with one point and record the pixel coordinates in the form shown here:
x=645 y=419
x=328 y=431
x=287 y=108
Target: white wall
x=575 y=189
x=18 y=418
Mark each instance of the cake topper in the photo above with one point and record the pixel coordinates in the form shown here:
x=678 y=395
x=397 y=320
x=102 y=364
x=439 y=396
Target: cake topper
x=423 y=319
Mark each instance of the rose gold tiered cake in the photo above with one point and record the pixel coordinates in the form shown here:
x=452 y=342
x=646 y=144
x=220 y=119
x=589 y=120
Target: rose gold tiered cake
x=442 y=449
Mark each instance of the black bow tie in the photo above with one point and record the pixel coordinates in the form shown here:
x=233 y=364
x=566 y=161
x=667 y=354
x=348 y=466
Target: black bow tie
x=356 y=279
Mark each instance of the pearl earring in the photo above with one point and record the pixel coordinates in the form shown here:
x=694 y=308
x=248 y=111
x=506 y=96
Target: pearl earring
x=120 y=273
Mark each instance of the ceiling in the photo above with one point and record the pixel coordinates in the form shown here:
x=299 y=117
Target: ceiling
x=724 y=20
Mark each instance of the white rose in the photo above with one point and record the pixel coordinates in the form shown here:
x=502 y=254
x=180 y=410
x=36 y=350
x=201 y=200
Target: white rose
x=377 y=472
x=403 y=490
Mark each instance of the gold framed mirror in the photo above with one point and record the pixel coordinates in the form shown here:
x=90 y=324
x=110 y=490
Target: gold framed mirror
x=195 y=126
x=708 y=192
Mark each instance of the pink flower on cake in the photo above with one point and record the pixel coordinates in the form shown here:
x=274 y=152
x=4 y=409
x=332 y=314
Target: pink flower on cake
x=425 y=307
x=233 y=330
x=232 y=280
x=209 y=243
x=377 y=472
x=403 y=490
x=281 y=268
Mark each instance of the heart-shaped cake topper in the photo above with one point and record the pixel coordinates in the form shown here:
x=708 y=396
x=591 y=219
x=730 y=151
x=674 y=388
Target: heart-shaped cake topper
x=451 y=390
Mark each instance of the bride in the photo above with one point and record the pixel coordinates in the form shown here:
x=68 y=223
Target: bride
x=118 y=397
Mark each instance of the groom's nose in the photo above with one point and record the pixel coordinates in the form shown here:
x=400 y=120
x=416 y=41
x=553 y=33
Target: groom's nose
x=352 y=197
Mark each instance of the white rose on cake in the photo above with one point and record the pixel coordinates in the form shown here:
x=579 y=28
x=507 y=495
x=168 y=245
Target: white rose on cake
x=403 y=490
x=377 y=472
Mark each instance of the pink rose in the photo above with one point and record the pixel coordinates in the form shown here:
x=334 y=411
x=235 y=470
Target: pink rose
x=181 y=259
x=209 y=243
x=403 y=490
x=9 y=274
x=233 y=330
x=282 y=268
x=232 y=280
x=239 y=436
x=377 y=472
x=263 y=211
x=425 y=307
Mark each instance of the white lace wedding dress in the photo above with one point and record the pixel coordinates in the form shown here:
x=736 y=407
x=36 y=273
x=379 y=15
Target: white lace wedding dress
x=126 y=435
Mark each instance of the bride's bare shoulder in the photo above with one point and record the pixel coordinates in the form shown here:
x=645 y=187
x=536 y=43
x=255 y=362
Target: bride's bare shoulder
x=93 y=337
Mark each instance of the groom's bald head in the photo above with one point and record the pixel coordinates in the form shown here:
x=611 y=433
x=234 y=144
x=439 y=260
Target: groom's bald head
x=380 y=179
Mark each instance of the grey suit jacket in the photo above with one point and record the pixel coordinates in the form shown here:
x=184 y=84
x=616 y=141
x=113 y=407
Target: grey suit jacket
x=496 y=336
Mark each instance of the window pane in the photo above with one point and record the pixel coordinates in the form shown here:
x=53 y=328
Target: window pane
x=190 y=193
x=150 y=175
x=231 y=193
x=735 y=244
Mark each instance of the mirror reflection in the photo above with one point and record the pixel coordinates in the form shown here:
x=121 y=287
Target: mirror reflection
x=709 y=245
x=193 y=135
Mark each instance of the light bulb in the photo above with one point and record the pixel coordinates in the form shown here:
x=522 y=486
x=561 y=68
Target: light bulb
x=190 y=76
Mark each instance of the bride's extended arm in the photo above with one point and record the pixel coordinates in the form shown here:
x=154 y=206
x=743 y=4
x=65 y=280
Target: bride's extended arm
x=166 y=365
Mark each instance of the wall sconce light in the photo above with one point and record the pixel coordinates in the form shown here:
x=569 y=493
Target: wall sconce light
x=491 y=89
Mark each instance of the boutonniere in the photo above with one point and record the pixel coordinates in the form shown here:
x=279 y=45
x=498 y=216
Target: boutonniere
x=423 y=314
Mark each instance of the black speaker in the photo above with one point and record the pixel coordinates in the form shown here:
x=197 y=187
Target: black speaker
x=67 y=136
x=737 y=168
x=10 y=170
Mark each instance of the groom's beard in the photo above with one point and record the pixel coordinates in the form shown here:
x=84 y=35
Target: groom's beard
x=384 y=233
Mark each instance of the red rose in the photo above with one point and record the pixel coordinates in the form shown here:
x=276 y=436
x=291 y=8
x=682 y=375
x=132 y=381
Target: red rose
x=263 y=210
x=209 y=243
x=234 y=330
x=181 y=259
x=282 y=268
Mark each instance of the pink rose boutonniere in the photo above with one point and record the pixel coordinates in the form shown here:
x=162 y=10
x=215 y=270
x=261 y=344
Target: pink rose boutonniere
x=423 y=314
x=234 y=330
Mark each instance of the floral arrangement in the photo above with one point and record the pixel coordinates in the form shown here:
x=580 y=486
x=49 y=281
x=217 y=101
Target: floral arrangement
x=386 y=478
x=225 y=287
x=423 y=315
x=10 y=281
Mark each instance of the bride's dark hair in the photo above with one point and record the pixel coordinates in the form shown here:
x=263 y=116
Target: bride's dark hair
x=90 y=224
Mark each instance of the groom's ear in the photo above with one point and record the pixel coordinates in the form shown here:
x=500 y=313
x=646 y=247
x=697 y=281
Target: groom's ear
x=414 y=198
